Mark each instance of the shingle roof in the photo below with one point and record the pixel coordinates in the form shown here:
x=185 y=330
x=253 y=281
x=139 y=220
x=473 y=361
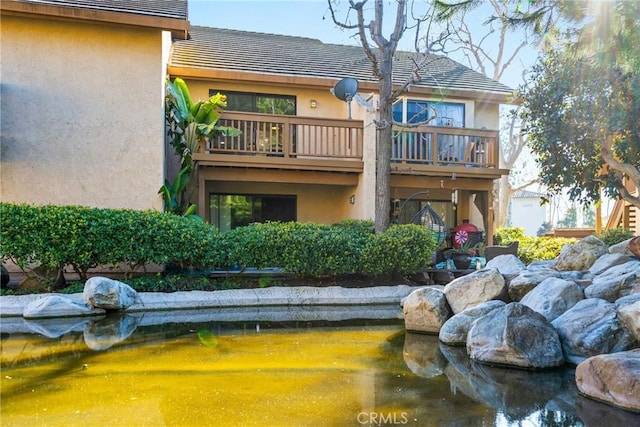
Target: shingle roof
x=175 y=9
x=224 y=49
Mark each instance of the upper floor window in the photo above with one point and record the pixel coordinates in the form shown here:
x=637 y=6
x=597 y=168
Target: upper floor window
x=414 y=111
x=259 y=102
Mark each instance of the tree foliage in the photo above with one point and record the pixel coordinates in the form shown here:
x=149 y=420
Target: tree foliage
x=583 y=110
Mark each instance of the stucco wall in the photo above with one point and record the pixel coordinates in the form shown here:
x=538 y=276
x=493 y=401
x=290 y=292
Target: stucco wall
x=82 y=114
x=527 y=213
x=324 y=204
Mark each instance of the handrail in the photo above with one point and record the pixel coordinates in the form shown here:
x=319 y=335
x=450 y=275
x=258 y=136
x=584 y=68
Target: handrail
x=436 y=145
x=289 y=136
x=339 y=139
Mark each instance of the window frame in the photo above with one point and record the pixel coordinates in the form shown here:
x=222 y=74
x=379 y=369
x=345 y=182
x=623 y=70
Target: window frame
x=429 y=104
x=254 y=97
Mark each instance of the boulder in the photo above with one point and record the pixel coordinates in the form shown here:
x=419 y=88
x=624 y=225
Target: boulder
x=455 y=330
x=628 y=309
x=581 y=255
x=616 y=282
x=634 y=246
x=612 y=378
x=507 y=265
x=102 y=292
x=528 y=279
x=589 y=328
x=56 y=306
x=553 y=296
x=515 y=335
x=425 y=310
x=475 y=288
x=621 y=248
x=607 y=261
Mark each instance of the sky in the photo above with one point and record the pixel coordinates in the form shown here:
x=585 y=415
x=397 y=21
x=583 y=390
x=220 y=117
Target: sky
x=306 y=18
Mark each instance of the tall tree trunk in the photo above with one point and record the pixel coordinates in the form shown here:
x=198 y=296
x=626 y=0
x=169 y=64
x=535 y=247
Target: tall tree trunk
x=385 y=138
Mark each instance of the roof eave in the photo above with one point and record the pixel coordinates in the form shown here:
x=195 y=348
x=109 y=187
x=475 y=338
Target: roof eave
x=178 y=27
x=326 y=82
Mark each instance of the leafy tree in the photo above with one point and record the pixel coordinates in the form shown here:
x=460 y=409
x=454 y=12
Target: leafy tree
x=488 y=51
x=589 y=217
x=583 y=108
x=544 y=228
x=570 y=219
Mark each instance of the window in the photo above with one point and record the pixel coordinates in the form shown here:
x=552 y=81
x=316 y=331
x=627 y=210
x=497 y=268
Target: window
x=259 y=103
x=448 y=113
x=228 y=211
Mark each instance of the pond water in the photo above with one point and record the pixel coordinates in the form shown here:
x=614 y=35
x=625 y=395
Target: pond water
x=296 y=370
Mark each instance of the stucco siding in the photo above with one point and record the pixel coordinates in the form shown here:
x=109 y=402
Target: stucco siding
x=82 y=114
x=323 y=204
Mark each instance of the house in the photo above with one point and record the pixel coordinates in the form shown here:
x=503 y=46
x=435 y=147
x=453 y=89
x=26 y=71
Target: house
x=83 y=121
x=306 y=155
x=82 y=91
x=526 y=212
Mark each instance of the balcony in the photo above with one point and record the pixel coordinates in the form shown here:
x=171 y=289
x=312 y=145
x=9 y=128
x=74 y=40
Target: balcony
x=287 y=142
x=441 y=151
x=303 y=143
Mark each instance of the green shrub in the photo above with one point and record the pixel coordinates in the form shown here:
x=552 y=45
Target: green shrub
x=532 y=248
x=81 y=237
x=615 y=235
x=401 y=249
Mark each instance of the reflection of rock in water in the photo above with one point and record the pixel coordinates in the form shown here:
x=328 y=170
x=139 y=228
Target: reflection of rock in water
x=516 y=393
x=594 y=413
x=422 y=355
x=102 y=334
x=55 y=328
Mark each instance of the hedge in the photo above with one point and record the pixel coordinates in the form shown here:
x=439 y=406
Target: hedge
x=58 y=236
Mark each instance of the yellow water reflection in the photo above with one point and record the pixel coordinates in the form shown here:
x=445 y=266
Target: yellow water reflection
x=267 y=374
x=271 y=377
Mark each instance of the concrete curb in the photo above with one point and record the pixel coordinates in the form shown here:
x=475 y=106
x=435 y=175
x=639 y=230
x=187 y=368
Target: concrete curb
x=13 y=306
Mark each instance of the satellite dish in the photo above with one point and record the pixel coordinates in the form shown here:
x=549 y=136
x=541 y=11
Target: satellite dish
x=345 y=90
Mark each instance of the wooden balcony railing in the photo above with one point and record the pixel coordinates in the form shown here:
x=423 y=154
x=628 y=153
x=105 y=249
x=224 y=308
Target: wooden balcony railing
x=432 y=145
x=289 y=136
x=334 y=139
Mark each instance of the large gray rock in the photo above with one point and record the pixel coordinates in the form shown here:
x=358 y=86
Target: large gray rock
x=612 y=378
x=589 y=328
x=102 y=292
x=475 y=288
x=528 y=279
x=515 y=335
x=581 y=255
x=455 y=330
x=57 y=306
x=621 y=248
x=425 y=310
x=607 y=261
x=628 y=309
x=508 y=265
x=553 y=296
x=616 y=282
